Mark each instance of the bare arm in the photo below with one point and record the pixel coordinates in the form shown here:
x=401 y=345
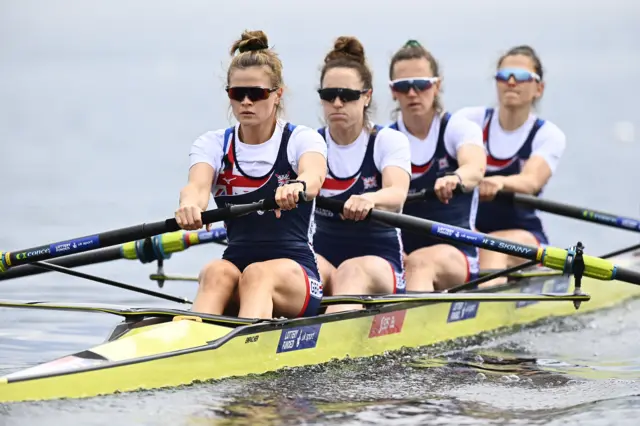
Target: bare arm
x=198 y=189
x=531 y=179
x=472 y=163
x=395 y=186
x=312 y=169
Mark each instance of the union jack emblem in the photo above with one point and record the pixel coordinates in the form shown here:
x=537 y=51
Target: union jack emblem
x=443 y=163
x=369 y=182
x=283 y=179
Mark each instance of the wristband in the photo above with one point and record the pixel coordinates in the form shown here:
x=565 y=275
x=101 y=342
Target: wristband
x=459 y=178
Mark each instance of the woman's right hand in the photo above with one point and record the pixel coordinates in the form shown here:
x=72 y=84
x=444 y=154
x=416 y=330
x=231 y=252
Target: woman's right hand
x=189 y=217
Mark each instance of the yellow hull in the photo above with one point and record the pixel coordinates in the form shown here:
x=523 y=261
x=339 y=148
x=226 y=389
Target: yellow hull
x=177 y=353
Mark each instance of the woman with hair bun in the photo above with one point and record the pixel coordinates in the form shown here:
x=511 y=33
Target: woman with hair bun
x=369 y=166
x=269 y=267
x=446 y=153
x=523 y=152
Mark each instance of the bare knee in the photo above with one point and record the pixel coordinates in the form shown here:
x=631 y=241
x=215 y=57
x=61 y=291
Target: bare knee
x=253 y=275
x=218 y=274
x=349 y=267
x=347 y=277
x=415 y=261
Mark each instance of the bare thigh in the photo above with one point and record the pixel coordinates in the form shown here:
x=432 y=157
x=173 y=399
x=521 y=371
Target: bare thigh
x=447 y=265
x=217 y=283
x=364 y=275
x=286 y=282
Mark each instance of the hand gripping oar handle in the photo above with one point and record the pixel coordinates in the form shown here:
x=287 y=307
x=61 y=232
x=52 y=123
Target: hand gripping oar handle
x=429 y=194
x=124 y=235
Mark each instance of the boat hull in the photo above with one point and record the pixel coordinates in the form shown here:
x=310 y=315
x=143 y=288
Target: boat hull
x=175 y=353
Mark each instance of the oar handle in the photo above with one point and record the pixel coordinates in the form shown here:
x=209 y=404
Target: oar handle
x=426 y=194
x=429 y=194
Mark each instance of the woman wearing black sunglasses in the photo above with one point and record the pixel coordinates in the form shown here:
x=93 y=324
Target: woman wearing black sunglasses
x=446 y=152
x=523 y=152
x=269 y=267
x=369 y=166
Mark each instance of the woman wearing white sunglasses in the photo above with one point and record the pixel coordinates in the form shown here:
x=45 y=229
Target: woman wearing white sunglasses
x=523 y=151
x=446 y=153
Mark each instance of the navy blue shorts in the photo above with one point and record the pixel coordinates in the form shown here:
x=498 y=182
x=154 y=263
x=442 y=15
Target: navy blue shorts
x=242 y=257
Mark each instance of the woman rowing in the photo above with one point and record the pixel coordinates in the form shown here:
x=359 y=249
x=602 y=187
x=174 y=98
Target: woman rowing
x=446 y=152
x=369 y=167
x=523 y=152
x=269 y=267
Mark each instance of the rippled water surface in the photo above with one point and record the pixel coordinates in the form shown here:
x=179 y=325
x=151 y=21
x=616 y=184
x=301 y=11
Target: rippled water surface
x=100 y=101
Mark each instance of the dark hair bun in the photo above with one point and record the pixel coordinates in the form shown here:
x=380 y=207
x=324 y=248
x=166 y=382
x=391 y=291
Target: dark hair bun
x=346 y=47
x=250 y=41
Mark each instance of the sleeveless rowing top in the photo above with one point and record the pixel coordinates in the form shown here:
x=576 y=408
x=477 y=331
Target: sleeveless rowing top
x=338 y=240
x=498 y=216
x=461 y=210
x=234 y=186
x=366 y=179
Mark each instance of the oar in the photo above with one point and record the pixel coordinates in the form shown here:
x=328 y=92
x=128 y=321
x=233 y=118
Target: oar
x=123 y=235
x=515 y=273
x=567 y=210
x=159 y=247
x=551 y=257
x=62 y=269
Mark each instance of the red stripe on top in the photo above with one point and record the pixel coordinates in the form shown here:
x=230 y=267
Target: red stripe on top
x=421 y=169
x=492 y=161
x=338 y=185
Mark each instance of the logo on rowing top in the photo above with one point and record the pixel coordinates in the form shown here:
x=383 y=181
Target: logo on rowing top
x=369 y=182
x=443 y=163
x=283 y=179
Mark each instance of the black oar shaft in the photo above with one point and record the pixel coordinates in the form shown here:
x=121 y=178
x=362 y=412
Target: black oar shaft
x=146 y=250
x=121 y=236
x=89 y=258
x=551 y=257
x=574 y=212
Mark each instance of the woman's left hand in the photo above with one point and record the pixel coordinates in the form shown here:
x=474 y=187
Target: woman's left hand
x=357 y=207
x=445 y=186
x=287 y=197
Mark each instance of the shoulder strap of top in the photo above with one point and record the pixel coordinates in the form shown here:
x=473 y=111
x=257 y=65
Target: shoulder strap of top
x=372 y=140
x=488 y=113
x=444 y=121
x=534 y=130
x=228 y=134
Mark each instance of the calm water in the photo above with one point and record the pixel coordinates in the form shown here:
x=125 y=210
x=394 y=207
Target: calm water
x=100 y=101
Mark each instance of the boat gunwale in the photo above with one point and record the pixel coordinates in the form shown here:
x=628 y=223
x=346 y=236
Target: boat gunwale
x=259 y=327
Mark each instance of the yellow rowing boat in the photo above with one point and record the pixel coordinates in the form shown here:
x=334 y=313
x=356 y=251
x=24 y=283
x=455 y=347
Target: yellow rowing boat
x=156 y=348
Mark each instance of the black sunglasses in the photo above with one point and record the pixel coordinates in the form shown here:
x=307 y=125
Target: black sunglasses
x=252 y=92
x=346 y=95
